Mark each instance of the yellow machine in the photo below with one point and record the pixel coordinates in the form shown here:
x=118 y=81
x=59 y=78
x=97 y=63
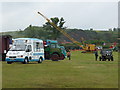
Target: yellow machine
x=87 y=47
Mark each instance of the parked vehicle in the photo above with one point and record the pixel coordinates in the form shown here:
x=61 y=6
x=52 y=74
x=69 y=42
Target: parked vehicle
x=106 y=54
x=5 y=41
x=53 y=51
x=26 y=50
x=99 y=47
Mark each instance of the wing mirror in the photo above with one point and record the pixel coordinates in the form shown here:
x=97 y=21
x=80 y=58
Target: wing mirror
x=27 y=50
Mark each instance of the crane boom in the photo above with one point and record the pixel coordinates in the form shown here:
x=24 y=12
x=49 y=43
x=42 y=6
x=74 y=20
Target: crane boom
x=61 y=30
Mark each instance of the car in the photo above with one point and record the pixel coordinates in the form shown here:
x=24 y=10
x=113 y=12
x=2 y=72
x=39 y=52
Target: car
x=106 y=54
x=99 y=47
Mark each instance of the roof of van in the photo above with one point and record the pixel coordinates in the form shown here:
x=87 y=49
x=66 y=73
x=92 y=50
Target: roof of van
x=29 y=39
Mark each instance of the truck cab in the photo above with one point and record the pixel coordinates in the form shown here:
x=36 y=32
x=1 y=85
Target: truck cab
x=26 y=50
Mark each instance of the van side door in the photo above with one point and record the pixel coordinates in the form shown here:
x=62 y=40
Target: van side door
x=29 y=52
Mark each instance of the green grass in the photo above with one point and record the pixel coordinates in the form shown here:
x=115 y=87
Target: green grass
x=80 y=72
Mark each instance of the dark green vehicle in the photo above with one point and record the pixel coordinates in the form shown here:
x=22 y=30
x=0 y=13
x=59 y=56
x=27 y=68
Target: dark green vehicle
x=52 y=50
x=106 y=54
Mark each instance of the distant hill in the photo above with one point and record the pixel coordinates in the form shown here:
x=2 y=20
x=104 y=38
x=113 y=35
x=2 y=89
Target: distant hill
x=107 y=36
x=77 y=34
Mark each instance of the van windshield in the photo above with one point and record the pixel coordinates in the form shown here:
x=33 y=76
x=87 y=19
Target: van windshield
x=18 y=47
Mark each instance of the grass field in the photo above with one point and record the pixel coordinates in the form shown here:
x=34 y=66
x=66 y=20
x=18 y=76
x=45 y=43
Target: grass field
x=80 y=72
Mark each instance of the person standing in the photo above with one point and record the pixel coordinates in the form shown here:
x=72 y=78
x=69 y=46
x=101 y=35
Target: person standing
x=69 y=55
x=96 y=55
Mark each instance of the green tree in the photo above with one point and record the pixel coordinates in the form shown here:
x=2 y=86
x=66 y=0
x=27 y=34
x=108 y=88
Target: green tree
x=35 y=32
x=29 y=32
x=91 y=29
x=53 y=33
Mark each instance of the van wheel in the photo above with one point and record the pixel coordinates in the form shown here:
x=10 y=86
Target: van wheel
x=40 y=60
x=9 y=62
x=25 y=61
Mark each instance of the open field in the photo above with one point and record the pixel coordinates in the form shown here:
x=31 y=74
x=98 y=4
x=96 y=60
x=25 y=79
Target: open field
x=80 y=72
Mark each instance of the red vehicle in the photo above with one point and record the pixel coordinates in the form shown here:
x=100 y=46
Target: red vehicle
x=5 y=41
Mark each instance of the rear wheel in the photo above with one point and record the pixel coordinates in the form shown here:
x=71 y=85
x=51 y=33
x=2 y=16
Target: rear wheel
x=40 y=60
x=62 y=57
x=55 y=57
x=9 y=62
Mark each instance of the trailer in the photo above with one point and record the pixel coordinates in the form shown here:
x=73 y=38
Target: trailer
x=5 y=41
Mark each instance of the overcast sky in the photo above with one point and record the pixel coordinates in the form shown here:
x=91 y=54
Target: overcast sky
x=81 y=15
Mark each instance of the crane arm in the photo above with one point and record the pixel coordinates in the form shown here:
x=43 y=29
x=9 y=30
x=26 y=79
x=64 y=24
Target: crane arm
x=62 y=31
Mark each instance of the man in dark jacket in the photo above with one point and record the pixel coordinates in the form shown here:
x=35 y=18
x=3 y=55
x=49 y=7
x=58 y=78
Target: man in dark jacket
x=96 y=55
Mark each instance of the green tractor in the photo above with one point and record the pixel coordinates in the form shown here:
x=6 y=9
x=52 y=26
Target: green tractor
x=53 y=51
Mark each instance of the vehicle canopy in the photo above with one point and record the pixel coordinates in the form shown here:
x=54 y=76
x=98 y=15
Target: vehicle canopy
x=106 y=51
x=48 y=42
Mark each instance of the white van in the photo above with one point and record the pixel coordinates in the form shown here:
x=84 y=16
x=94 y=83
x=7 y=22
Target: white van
x=26 y=50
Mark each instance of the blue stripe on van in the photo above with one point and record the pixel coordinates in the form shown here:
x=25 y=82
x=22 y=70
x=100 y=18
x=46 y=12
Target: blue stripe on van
x=15 y=60
x=38 y=53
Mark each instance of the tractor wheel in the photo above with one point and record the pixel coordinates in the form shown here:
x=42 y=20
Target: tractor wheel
x=62 y=57
x=55 y=57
